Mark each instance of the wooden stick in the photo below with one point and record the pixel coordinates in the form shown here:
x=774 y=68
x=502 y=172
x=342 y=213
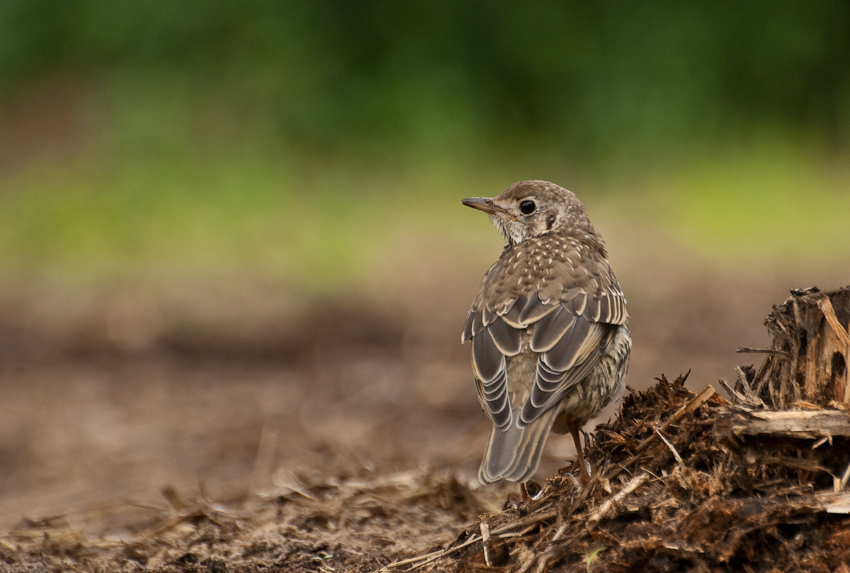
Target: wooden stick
x=597 y=516
x=835 y=502
x=825 y=305
x=485 y=538
x=670 y=446
x=733 y=425
x=429 y=557
x=748 y=350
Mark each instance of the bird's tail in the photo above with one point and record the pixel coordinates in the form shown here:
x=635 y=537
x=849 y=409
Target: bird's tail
x=513 y=453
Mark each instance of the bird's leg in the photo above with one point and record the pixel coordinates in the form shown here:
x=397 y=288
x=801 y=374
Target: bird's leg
x=525 y=498
x=574 y=430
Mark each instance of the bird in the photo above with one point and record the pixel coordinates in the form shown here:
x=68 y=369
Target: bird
x=549 y=328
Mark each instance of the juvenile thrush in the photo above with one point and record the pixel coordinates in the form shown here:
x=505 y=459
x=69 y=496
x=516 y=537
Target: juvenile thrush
x=549 y=328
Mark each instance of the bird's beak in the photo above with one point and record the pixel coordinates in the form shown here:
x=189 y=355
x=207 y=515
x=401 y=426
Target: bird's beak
x=483 y=204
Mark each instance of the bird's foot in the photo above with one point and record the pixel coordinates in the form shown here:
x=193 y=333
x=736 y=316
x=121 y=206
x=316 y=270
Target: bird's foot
x=528 y=492
x=516 y=503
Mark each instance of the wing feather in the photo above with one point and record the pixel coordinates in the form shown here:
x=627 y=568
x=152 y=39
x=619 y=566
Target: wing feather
x=511 y=315
x=490 y=346
x=596 y=305
x=576 y=304
x=477 y=323
x=494 y=400
x=534 y=310
x=573 y=346
x=467 y=328
x=506 y=338
x=487 y=361
x=551 y=328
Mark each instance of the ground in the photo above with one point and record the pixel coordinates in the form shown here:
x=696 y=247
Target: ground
x=140 y=432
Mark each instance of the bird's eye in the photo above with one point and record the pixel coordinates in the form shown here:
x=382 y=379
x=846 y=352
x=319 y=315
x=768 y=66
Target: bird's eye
x=527 y=207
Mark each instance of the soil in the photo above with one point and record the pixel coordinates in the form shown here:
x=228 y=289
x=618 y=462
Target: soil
x=324 y=436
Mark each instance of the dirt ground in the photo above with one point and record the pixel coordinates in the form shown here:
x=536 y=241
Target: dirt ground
x=164 y=420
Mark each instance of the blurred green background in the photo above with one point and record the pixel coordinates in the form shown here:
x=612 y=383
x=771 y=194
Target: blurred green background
x=306 y=140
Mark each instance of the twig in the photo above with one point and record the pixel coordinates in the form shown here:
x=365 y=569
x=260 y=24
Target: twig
x=822 y=441
x=825 y=305
x=732 y=425
x=530 y=520
x=748 y=350
x=485 y=538
x=695 y=402
x=560 y=532
x=748 y=398
x=635 y=483
x=423 y=560
x=737 y=397
x=669 y=445
x=516 y=533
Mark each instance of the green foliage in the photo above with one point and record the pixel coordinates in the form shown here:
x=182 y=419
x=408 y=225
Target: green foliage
x=595 y=79
x=296 y=137
x=775 y=202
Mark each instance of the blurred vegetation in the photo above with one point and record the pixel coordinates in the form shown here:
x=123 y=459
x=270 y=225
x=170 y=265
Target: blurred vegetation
x=297 y=136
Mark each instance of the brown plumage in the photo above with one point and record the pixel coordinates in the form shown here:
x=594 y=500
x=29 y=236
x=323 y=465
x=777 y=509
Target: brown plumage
x=549 y=328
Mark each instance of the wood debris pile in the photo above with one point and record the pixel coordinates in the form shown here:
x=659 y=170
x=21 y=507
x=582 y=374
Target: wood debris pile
x=687 y=481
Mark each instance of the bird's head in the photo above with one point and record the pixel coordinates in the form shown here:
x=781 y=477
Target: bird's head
x=530 y=209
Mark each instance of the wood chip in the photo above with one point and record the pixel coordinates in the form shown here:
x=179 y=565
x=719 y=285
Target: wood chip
x=733 y=425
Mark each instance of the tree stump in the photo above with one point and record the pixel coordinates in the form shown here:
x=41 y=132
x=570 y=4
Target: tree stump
x=809 y=356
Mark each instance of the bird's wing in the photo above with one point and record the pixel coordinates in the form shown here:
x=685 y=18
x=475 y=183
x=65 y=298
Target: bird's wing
x=569 y=342
x=491 y=343
x=569 y=335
